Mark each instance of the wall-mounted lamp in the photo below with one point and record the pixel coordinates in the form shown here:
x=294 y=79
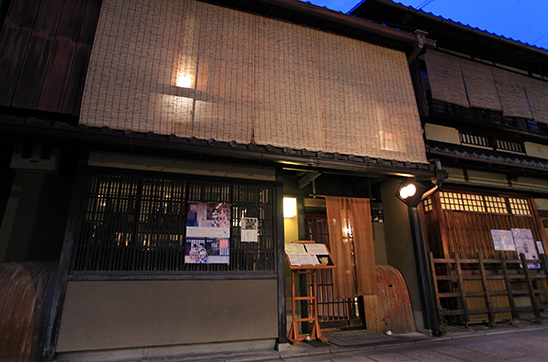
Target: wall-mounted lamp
x=290 y=207
x=184 y=80
x=412 y=192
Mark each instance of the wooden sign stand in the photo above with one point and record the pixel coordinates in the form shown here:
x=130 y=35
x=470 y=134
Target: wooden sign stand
x=322 y=261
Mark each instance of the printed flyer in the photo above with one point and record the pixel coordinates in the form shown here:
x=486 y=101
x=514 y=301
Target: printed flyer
x=523 y=238
x=250 y=229
x=208 y=233
x=503 y=240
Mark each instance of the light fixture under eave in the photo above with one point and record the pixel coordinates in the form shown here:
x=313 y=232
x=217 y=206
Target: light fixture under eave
x=290 y=207
x=184 y=81
x=412 y=192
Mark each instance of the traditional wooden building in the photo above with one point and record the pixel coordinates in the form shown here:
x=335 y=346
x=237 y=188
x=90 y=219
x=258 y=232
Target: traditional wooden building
x=483 y=101
x=147 y=148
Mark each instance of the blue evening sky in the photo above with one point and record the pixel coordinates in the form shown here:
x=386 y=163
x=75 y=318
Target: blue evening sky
x=522 y=20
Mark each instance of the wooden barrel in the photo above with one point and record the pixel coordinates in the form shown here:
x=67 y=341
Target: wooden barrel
x=395 y=310
x=26 y=288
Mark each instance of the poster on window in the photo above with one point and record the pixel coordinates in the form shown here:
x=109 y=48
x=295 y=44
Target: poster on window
x=523 y=239
x=208 y=233
x=250 y=229
x=503 y=240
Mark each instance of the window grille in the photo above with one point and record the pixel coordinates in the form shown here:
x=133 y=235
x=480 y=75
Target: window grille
x=474 y=139
x=519 y=206
x=427 y=204
x=496 y=205
x=456 y=201
x=138 y=224
x=509 y=145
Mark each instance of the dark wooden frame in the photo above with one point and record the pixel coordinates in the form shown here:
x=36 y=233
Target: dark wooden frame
x=498 y=270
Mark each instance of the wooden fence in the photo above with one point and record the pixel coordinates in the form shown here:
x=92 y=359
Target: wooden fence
x=489 y=290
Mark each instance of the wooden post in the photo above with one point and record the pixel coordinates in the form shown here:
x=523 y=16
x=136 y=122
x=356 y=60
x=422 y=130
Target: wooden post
x=534 y=301
x=488 y=303
x=510 y=293
x=435 y=281
x=544 y=265
x=461 y=290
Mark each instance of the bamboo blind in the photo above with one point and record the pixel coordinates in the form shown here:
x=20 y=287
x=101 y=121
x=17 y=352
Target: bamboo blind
x=537 y=93
x=480 y=85
x=445 y=78
x=511 y=89
x=251 y=79
x=469 y=83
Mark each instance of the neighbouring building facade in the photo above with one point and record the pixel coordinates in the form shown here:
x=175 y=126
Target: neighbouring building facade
x=483 y=101
x=147 y=147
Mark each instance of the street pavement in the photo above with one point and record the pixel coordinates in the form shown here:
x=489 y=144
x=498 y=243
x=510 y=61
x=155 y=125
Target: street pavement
x=524 y=346
x=507 y=343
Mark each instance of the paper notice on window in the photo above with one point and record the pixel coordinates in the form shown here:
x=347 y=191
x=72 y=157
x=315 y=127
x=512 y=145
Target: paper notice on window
x=316 y=249
x=250 y=230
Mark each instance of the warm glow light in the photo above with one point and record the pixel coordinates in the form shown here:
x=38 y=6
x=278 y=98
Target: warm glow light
x=184 y=81
x=408 y=191
x=290 y=207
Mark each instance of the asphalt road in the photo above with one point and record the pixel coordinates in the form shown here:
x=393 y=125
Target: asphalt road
x=522 y=346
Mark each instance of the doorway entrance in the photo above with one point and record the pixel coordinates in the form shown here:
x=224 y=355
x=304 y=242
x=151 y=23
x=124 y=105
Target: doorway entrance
x=332 y=312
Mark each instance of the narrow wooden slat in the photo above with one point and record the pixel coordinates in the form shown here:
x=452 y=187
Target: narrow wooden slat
x=434 y=276
x=62 y=57
x=449 y=312
x=532 y=296
x=488 y=301
x=33 y=71
x=14 y=40
x=461 y=289
x=447 y=277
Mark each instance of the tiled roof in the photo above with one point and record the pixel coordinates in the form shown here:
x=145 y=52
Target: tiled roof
x=513 y=161
x=469 y=26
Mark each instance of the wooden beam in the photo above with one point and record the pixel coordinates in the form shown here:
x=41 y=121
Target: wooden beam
x=308 y=178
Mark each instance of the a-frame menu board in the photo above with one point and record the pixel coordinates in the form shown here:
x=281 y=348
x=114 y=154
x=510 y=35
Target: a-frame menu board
x=305 y=257
x=308 y=255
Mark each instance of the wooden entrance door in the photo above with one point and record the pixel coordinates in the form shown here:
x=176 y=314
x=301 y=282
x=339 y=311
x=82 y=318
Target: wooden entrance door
x=332 y=312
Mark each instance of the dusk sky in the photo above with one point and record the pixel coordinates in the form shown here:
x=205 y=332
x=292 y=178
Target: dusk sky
x=522 y=20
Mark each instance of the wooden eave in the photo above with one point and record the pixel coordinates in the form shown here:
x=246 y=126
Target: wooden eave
x=321 y=18
x=32 y=130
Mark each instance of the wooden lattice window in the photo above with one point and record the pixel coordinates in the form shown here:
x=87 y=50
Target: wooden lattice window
x=138 y=224
x=457 y=201
x=496 y=205
x=427 y=204
x=519 y=206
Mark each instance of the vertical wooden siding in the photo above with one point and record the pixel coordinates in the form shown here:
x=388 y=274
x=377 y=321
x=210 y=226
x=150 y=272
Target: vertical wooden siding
x=45 y=47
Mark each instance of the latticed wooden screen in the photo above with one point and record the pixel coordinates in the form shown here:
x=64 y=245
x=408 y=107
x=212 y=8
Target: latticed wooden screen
x=468 y=220
x=138 y=224
x=457 y=201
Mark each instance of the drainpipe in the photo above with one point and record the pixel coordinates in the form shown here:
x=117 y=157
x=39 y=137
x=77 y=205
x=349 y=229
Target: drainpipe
x=419 y=45
x=424 y=271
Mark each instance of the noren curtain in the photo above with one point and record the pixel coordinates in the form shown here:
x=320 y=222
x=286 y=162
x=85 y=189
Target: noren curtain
x=351 y=243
